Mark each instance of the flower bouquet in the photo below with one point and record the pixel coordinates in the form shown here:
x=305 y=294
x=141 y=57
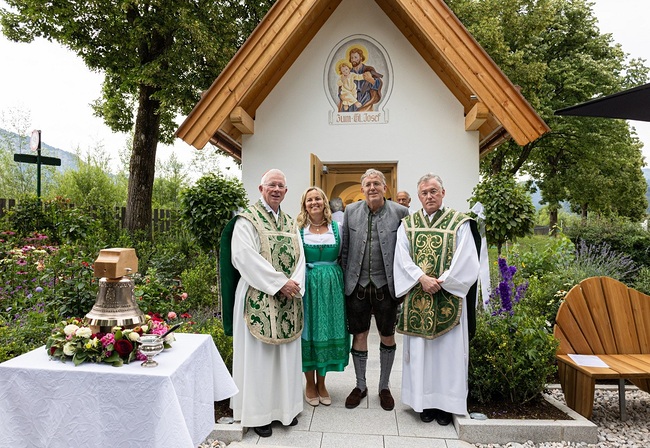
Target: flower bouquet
x=73 y=339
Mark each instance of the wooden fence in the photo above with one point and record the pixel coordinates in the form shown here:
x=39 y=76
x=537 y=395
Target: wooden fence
x=162 y=220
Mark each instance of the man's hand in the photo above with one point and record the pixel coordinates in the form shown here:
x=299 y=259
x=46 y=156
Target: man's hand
x=430 y=284
x=290 y=289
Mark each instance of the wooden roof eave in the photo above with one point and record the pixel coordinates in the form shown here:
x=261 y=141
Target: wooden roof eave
x=257 y=67
x=463 y=65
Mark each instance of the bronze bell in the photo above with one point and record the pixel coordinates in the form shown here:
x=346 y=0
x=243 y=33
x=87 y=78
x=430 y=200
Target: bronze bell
x=115 y=304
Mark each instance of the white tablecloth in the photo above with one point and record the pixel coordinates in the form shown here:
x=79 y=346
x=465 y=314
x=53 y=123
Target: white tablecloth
x=47 y=403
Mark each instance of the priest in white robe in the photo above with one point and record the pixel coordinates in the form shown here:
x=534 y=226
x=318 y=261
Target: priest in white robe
x=267 y=357
x=436 y=337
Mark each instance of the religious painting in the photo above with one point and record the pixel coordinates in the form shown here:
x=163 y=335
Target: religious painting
x=358 y=81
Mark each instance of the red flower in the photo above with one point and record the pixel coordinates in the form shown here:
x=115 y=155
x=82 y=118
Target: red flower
x=155 y=317
x=52 y=350
x=186 y=315
x=123 y=347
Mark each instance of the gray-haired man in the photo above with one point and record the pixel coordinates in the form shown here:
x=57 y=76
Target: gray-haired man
x=369 y=236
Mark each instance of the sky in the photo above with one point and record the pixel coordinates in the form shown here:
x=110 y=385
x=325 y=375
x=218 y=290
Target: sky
x=54 y=87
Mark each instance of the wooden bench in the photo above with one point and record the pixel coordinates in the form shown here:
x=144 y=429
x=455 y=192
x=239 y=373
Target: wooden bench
x=602 y=316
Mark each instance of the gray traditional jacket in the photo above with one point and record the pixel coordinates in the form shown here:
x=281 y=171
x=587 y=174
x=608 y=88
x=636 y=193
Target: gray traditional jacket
x=355 y=236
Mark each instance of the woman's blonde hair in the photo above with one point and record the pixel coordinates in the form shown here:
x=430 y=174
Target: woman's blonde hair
x=303 y=217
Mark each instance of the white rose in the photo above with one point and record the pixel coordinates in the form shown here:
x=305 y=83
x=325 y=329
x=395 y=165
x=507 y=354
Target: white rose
x=134 y=336
x=70 y=330
x=145 y=328
x=84 y=332
x=69 y=349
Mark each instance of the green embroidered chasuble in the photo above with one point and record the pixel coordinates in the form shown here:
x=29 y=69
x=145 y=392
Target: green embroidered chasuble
x=431 y=246
x=274 y=319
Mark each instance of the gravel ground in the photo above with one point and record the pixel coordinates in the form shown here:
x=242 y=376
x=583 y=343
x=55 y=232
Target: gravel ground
x=612 y=432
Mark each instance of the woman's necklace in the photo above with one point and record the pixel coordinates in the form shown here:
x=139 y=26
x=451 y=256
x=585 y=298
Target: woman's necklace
x=317 y=227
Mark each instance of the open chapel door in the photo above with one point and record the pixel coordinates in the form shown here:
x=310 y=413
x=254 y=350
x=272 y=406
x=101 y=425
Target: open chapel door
x=316 y=171
x=342 y=179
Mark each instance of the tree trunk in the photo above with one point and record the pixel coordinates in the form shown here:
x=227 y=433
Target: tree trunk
x=583 y=212
x=552 y=221
x=143 y=163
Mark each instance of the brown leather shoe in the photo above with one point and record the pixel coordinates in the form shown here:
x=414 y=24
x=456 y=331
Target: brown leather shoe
x=355 y=397
x=386 y=400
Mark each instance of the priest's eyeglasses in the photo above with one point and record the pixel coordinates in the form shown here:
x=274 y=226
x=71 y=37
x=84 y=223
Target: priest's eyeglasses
x=274 y=186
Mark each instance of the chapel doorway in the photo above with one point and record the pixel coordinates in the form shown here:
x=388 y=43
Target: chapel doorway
x=343 y=179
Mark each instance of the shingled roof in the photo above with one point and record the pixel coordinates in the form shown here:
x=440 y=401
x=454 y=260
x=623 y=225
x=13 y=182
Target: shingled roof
x=492 y=104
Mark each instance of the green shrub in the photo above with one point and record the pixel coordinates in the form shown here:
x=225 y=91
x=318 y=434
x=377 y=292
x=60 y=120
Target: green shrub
x=200 y=284
x=509 y=210
x=511 y=358
x=155 y=293
x=512 y=354
x=547 y=255
x=545 y=294
x=24 y=331
x=204 y=322
x=75 y=287
x=90 y=226
x=622 y=235
x=642 y=280
x=209 y=205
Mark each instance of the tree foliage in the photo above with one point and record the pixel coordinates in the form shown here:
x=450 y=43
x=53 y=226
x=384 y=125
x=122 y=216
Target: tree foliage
x=91 y=184
x=555 y=52
x=156 y=57
x=509 y=210
x=170 y=181
x=209 y=205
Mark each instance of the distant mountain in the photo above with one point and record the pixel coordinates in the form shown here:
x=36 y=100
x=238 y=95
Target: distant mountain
x=14 y=141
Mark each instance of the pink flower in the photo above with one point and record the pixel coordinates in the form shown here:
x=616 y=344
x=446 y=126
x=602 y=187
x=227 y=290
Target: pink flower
x=108 y=339
x=171 y=315
x=184 y=296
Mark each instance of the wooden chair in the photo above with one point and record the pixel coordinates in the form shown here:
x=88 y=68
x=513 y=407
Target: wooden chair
x=602 y=316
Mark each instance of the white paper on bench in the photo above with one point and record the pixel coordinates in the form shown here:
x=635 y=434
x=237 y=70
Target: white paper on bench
x=588 y=360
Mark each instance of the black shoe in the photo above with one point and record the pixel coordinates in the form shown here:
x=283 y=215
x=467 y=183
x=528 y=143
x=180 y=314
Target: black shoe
x=428 y=415
x=355 y=397
x=294 y=422
x=386 y=400
x=264 y=431
x=443 y=418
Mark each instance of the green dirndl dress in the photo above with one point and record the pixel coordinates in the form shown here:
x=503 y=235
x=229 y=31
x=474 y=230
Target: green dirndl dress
x=325 y=340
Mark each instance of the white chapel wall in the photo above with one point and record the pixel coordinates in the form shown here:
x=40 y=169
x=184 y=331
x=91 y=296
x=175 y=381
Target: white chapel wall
x=425 y=128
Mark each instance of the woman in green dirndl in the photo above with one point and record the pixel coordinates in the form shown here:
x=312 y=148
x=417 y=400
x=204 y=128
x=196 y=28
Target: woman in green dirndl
x=325 y=340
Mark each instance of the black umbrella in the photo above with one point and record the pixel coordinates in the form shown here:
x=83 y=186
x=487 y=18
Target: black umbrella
x=631 y=104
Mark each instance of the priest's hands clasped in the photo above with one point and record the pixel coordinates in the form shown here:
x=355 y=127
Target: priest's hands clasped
x=290 y=289
x=430 y=285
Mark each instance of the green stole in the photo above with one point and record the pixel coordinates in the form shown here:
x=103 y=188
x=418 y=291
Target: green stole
x=431 y=245
x=274 y=319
